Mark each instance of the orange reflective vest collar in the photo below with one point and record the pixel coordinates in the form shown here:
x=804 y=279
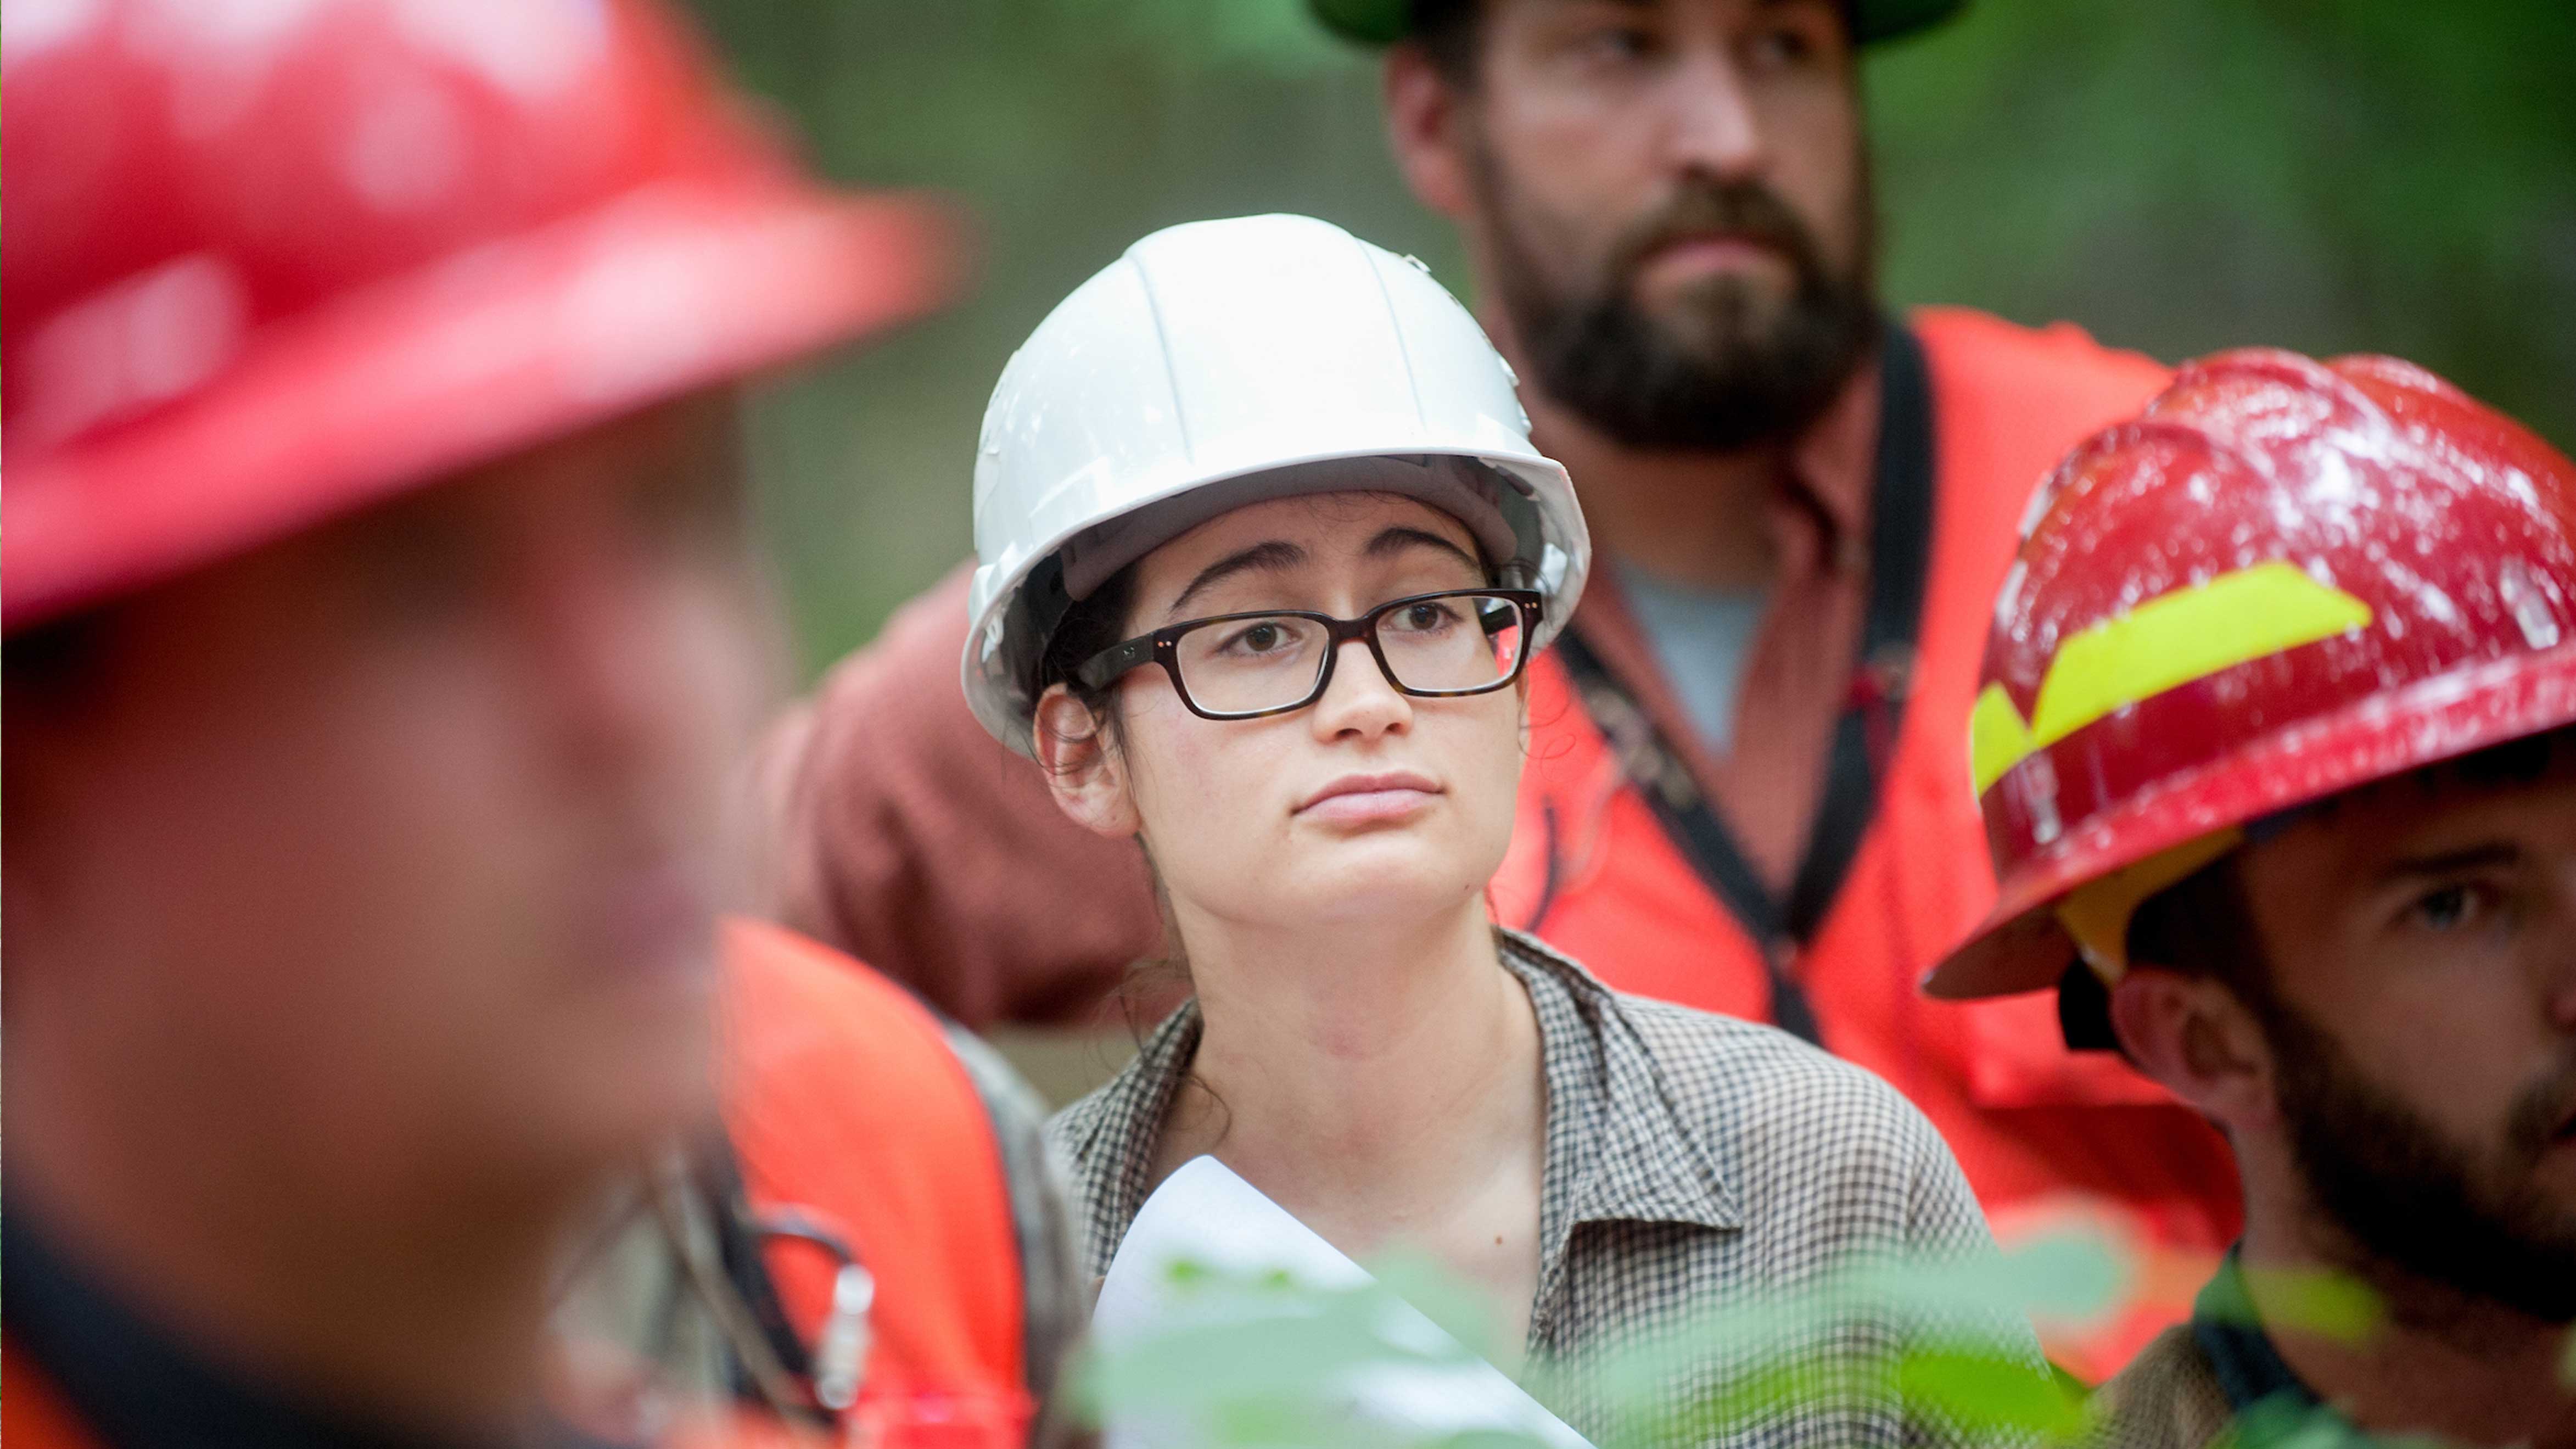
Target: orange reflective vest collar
x=845 y=1103
x=2034 y=1126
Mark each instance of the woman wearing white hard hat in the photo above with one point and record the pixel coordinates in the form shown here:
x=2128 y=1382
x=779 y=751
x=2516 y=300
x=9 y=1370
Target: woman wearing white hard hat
x=1265 y=550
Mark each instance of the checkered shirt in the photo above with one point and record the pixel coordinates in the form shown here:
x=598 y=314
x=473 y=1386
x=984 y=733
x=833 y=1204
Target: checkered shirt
x=1695 y=1164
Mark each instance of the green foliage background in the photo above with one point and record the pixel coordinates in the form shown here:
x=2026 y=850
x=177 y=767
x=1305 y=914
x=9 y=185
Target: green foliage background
x=2329 y=175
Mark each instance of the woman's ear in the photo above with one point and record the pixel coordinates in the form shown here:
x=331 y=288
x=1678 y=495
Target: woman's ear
x=1083 y=770
x=2191 y=1034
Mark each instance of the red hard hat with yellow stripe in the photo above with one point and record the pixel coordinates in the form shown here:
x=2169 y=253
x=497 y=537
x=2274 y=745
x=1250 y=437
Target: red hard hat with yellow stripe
x=2285 y=579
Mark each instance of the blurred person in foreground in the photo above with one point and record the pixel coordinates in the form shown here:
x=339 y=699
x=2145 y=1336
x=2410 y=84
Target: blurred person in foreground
x=1745 y=791
x=381 y=633
x=2277 y=749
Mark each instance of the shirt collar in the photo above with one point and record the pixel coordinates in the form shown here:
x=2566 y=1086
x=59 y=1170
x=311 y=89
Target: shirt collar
x=1114 y=1157
x=1835 y=464
x=1616 y=1151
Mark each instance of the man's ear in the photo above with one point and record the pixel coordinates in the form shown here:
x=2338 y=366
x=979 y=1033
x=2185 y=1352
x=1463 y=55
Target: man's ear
x=1426 y=128
x=1084 y=771
x=2191 y=1034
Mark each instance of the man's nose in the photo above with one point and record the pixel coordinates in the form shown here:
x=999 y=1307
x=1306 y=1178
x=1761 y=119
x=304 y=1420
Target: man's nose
x=1360 y=700
x=2558 y=968
x=606 y=650
x=1710 y=126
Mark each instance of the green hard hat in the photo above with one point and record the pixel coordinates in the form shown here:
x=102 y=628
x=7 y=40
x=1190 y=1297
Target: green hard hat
x=1383 y=22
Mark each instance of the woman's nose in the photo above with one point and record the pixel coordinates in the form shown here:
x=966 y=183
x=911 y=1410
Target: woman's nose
x=1360 y=699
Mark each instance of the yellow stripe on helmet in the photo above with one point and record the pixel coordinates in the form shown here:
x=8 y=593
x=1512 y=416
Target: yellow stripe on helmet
x=2168 y=641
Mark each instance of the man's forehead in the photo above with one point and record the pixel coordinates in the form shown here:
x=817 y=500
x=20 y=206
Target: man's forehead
x=1724 y=12
x=2520 y=796
x=1723 y=9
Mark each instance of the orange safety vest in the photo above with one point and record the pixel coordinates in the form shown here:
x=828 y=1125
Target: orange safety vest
x=2039 y=1130
x=845 y=1104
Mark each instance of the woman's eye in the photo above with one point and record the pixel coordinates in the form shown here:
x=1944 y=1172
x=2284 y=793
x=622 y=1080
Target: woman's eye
x=1262 y=639
x=1426 y=617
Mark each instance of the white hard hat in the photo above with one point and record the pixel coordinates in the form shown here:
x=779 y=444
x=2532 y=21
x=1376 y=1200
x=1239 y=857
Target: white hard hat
x=1220 y=363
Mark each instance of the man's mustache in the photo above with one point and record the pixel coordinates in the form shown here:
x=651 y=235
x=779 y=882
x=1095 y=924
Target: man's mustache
x=1744 y=209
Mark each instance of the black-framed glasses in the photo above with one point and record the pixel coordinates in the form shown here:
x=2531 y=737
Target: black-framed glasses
x=1244 y=666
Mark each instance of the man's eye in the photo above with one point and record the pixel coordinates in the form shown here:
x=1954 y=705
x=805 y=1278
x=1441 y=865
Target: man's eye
x=2449 y=908
x=423 y=569
x=1615 y=43
x=1780 y=49
x=690 y=505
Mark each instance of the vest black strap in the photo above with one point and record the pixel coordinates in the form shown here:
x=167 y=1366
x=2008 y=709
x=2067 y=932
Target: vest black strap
x=1864 y=733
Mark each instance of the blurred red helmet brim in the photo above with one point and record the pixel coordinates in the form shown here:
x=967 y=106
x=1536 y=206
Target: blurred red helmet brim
x=266 y=270
x=677 y=286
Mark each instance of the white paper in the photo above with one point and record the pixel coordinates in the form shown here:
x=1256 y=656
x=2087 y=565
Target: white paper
x=1206 y=1215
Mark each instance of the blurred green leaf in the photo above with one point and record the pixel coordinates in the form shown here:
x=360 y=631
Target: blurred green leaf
x=1269 y=1364
x=1456 y=1309
x=2330 y=1305
x=1989 y=1395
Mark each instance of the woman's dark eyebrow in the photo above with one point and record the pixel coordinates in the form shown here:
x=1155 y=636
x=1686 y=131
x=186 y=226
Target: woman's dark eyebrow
x=1267 y=557
x=1397 y=539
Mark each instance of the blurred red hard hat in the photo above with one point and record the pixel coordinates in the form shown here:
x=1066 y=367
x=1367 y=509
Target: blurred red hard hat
x=269 y=262
x=2284 y=580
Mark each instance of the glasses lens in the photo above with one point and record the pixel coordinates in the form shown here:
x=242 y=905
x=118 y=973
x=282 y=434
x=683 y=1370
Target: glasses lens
x=1241 y=666
x=1455 y=641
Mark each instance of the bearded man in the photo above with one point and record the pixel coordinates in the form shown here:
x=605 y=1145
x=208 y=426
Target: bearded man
x=1745 y=791
x=2277 y=751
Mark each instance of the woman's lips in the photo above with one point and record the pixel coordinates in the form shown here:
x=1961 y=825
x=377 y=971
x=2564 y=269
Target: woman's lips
x=1370 y=799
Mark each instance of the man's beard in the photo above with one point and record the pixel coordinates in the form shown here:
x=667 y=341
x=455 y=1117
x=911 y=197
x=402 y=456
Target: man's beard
x=1718 y=375
x=2411 y=1197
